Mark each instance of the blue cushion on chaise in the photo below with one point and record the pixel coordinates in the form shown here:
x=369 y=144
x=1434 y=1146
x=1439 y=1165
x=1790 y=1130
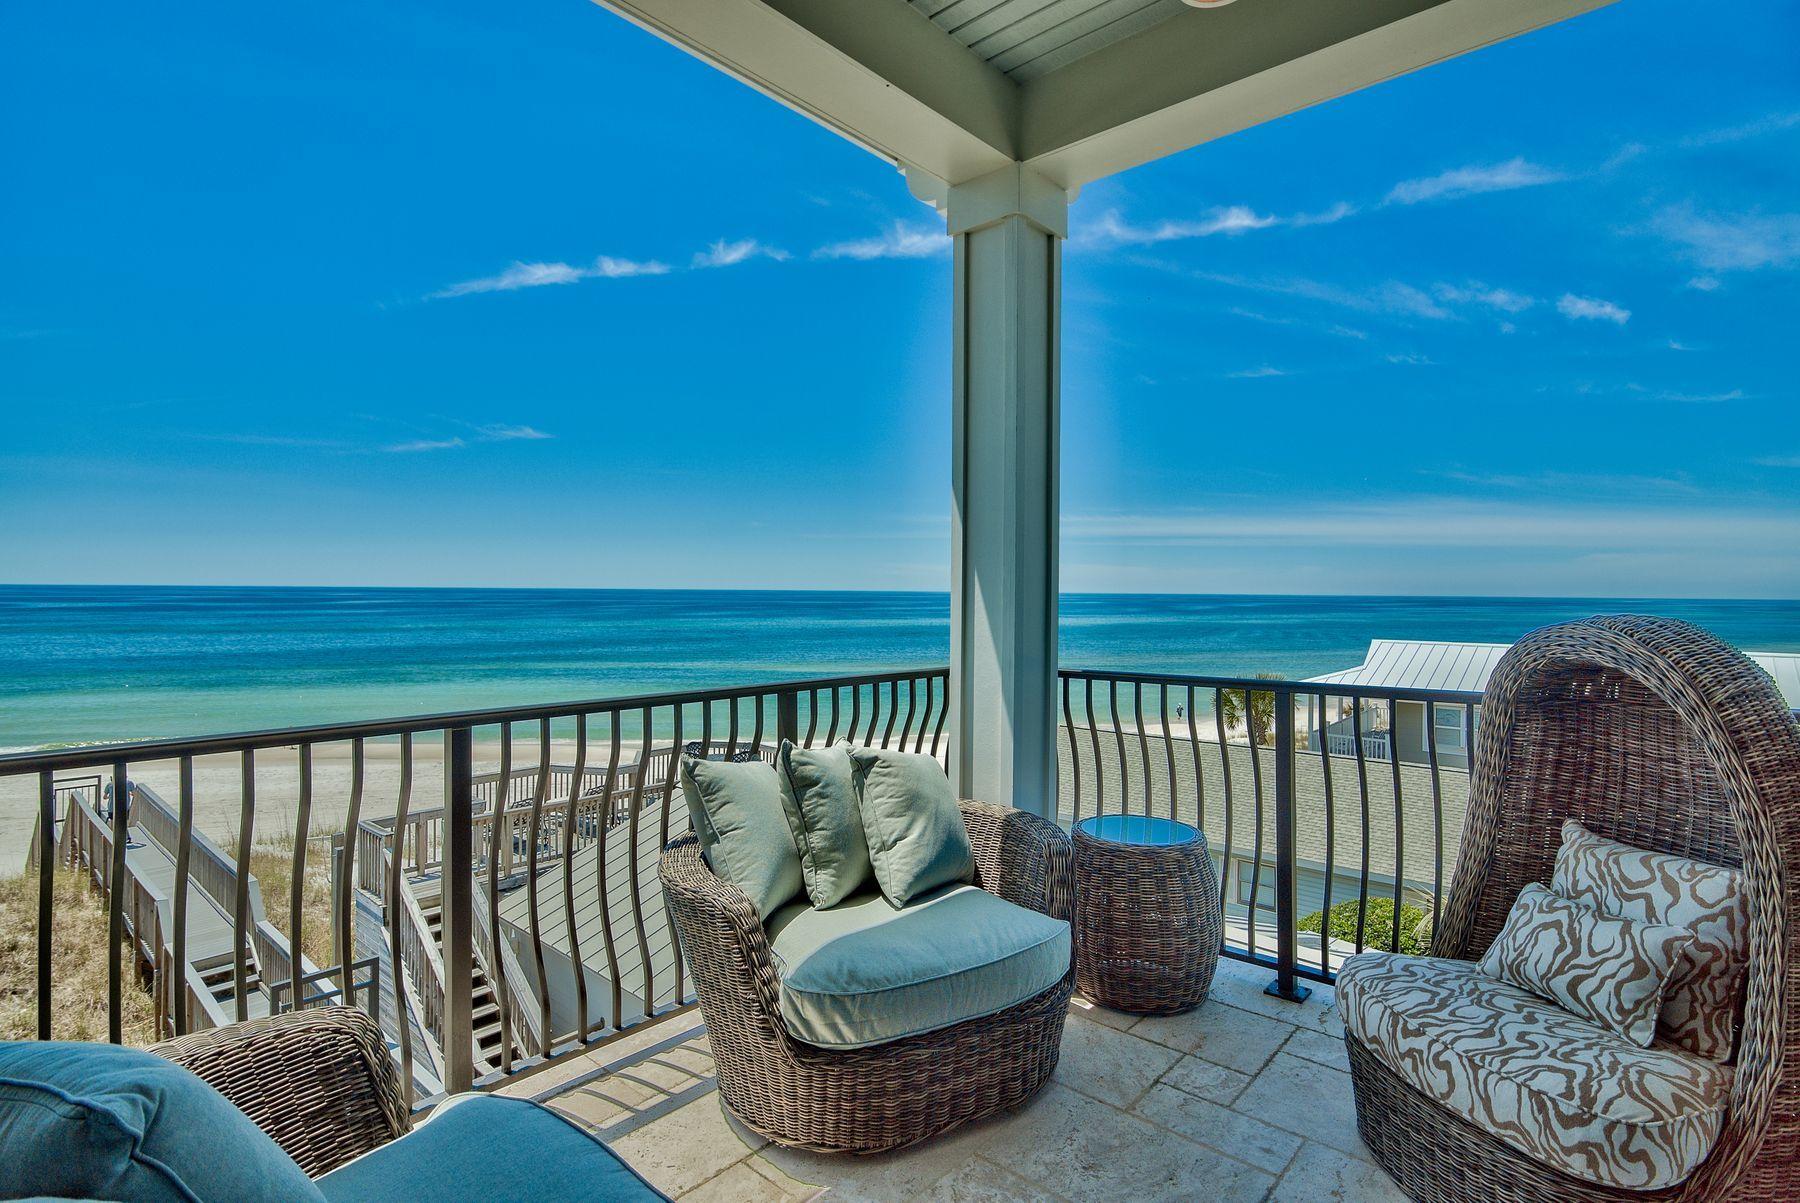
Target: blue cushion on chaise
x=97 y=1121
x=496 y=1150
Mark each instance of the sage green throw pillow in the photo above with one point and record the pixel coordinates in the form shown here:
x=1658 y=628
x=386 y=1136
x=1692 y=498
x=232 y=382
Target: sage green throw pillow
x=744 y=836
x=818 y=792
x=917 y=840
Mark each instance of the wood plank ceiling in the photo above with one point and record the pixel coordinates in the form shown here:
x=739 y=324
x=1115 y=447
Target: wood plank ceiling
x=1029 y=38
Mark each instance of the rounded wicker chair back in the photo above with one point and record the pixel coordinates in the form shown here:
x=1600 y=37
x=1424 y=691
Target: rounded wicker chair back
x=1654 y=733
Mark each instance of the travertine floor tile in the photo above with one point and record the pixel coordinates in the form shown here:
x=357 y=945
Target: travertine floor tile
x=1205 y=1080
x=1224 y=1035
x=1230 y=1132
x=679 y=1151
x=1322 y=1175
x=1308 y=1098
x=1086 y=1150
x=1112 y=1066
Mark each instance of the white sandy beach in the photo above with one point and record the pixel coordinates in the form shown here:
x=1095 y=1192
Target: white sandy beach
x=218 y=798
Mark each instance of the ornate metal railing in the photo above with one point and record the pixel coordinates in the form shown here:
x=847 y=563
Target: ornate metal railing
x=1297 y=824
x=550 y=819
x=561 y=809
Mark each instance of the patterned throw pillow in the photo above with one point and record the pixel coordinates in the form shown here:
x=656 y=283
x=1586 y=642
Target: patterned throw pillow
x=1705 y=1000
x=1609 y=970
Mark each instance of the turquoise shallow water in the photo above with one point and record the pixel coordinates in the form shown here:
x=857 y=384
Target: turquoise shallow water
x=89 y=663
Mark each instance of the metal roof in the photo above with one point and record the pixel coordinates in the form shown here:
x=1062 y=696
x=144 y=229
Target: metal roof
x=1028 y=38
x=1425 y=664
x=1422 y=664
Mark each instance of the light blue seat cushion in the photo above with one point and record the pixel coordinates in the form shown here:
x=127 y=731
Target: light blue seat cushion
x=864 y=972
x=96 y=1121
x=479 y=1147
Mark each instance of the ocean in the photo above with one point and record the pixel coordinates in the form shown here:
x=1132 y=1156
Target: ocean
x=83 y=664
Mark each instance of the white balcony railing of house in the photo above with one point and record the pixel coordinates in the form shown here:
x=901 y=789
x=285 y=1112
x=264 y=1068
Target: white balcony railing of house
x=1375 y=747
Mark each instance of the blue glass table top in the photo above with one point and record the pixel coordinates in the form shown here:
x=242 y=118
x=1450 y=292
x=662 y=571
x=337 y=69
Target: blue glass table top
x=1141 y=830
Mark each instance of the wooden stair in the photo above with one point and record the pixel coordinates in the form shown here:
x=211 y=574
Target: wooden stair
x=218 y=977
x=484 y=1006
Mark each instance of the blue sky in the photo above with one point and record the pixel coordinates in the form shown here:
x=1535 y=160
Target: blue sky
x=466 y=293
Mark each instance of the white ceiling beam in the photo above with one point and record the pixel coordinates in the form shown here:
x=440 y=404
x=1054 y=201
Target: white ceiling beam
x=876 y=71
x=1204 y=75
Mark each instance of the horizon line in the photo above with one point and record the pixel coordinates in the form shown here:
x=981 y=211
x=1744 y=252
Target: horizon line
x=945 y=592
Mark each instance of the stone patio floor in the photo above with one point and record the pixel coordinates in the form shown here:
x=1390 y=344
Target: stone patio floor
x=1247 y=1098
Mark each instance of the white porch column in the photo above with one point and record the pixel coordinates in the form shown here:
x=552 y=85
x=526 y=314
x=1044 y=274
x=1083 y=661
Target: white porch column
x=1009 y=228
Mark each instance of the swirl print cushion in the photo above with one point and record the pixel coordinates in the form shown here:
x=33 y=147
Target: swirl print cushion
x=1608 y=970
x=1563 y=1091
x=1702 y=1008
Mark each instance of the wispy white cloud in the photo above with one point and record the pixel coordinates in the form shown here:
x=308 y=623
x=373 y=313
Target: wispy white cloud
x=415 y=445
x=1705 y=283
x=1471 y=181
x=1409 y=359
x=538 y=275
x=478 y=432
x=519 y=275
x=1591 y=309
x=725 y=253
x=900 y=241
x=1332 y=328
x=251 y=439
x=1736 y=394
x=1778 y=461
x=506 y=432
x=1565 y=484
x=608 y=268
x=1392 y=298
x=1730 y=242
x=1111 y=229
x=1475 y=293
x=1447 y=521
x=1678 y=345
x=1324 y=217
x=1770 y=123
x=1261 y=373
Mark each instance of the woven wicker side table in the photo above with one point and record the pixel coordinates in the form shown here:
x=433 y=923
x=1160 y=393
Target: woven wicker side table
x=1147 y=922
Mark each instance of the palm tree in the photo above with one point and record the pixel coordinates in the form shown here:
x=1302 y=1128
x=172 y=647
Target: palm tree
x=1261 y=719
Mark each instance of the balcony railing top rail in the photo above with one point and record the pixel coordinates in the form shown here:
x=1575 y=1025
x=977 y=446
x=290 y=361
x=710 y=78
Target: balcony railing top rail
x=540 y=866
x=98 y=756
x=532 y=926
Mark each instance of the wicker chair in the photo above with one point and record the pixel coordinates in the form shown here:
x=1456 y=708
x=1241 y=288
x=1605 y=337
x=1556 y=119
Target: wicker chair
x=320 y=1082
x=1658 y=735
x=883 y=1097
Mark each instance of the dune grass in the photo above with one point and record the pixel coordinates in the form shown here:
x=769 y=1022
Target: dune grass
x=78 y=954
x=78 y=949
x=272 y=864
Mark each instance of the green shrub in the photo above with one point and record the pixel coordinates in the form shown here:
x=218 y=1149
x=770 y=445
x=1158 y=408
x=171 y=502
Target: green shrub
x=1378 y=925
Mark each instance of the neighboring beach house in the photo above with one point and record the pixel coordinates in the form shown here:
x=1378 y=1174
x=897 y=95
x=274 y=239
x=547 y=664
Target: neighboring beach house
x=1429 y=664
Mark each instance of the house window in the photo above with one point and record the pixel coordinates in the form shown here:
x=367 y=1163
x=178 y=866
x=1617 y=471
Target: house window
x=1265 y=887
x=1449 y=720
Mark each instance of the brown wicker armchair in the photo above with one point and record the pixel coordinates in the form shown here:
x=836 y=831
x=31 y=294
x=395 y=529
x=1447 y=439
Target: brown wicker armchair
x=882 y=1097
x=320 y=1082
x=1658 y=735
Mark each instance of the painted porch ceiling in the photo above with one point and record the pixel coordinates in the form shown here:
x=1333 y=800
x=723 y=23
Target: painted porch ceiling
x=1028 y=38
x=1074 y=90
